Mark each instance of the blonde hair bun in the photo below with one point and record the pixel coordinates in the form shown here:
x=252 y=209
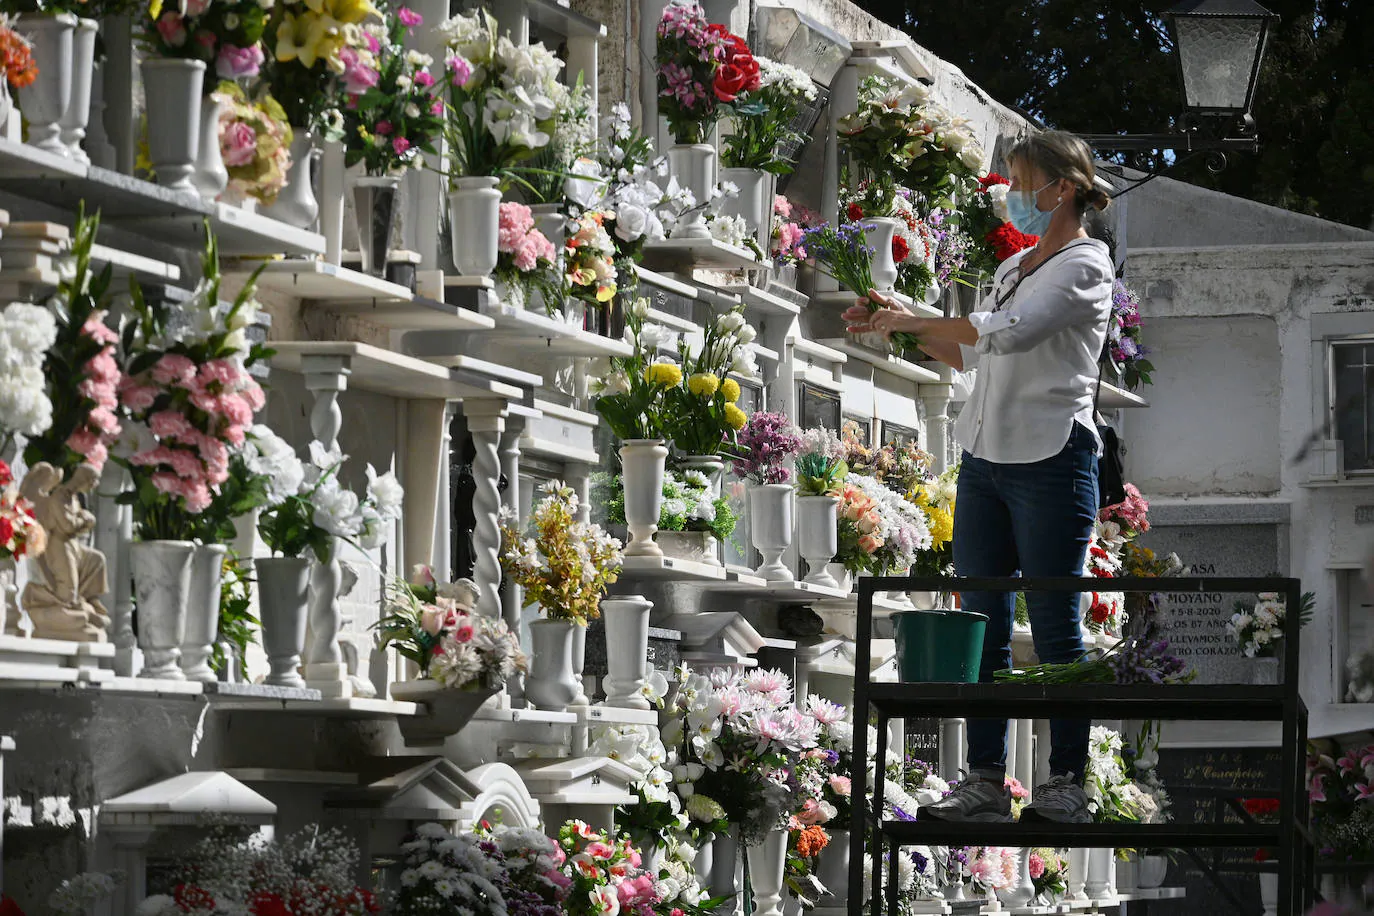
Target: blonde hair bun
x=1060 y=154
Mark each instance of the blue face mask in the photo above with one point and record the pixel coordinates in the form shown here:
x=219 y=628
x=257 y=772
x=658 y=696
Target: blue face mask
x=1025 y=215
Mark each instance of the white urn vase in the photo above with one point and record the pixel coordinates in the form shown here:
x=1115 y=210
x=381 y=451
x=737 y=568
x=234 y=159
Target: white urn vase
x=1022 y=891
x=766 y=863
x=1101 y=871
x=283 y=599
x=211 y=177
x=296 y=204
x=474 y=211
x=878 y=233
x=1077 y=876
x=579 y=664
x=725 y=867
x=642 y=463
x=172 y=86
x=78 y=112
x=1151 y=871
x=162 y=584
x=818 y=537
x=694 y=167
x=753 y=203
x=844 y=579
x=550 y=684
x=833 y=867
x=770 y=526
x=45 y=100
x=712 y=466
x=626 y=622
x=202 y=612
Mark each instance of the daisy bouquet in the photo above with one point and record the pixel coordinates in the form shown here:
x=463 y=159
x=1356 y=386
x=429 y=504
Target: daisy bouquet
x=254 y=142
x=191 y=400
x=1258 y=629
x=564 y=565
x=739 y=739
x=443 y=871
x=765 y=449
x=503 y=97
x=447 y=641
x=393 y=109
x=72 y=419
x=687 y=504
x=532 y=882
x=606 y=872
x=703 y=71
x=702 y=415
x=763 y=124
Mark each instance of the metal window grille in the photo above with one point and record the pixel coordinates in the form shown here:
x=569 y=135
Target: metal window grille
x=1352 y=407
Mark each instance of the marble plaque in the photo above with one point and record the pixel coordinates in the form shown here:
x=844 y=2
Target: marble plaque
x=1195 y=623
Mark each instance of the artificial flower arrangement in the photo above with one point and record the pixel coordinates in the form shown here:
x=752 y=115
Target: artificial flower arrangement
x=447 y=641
x=765 y=448
x=255 y=143
x=392 y=107
x=921 y=871
x=68 y=409
x=1342 y=805
x=20 y=533
x=1103 y=611
x=953 y=247
x=27 y=333
x=1048 y=873
x=191 y=399
x=704 y=72
x=1123 y=337
x=565 y=566
x=444 y=872
x=913 y=243
x=820 y=464
x=311 y=871
x=1125 y=520
x=1258 y=629
x=320 y=510
x=502 y=94
x=532 y=882
x=1142 y=758
x=630 y=392
x=983 y=215
x=225 y=34
x=687 y=504
x=572 y=137
x=991 y=868
x=262 y=471
x=738 y=738
x=1113 y=797
x=606 y=872
x=880 y=531
x=316 y=46
x=589 y=260
x=762 y=127
x=701 y=414
x=524 y=256
x=935 y=496
x=787 y=234
x=17 y=55
x=807 y=836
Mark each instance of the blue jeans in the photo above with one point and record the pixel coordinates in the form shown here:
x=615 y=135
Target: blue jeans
x=1036 y=519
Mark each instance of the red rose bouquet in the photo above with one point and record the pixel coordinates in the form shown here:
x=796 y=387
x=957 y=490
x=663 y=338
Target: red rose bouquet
x=703 y=70
x=984 y=218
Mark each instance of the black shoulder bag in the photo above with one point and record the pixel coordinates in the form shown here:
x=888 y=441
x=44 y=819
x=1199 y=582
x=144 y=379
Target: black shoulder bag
x=1111 y=473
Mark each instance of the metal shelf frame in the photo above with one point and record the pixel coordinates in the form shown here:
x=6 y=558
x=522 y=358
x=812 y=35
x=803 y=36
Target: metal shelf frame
x=1289 y=837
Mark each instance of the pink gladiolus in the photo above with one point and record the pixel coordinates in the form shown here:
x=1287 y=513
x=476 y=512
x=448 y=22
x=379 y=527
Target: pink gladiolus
x=82 y=440
x=103 y=420
x=96 y=329
x=460 y=69
x=238 y=144
x=234 y=63
x=399 y=145
x=97 y=456
x=102 y=367
x=168 y=423
x=235 y=409
x=167 y=483
x=172 y=29
x=186 y=464
x=252 y=393
x=409 y=18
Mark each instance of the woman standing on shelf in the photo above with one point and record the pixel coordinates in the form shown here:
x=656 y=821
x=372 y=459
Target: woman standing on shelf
x=1028 y=483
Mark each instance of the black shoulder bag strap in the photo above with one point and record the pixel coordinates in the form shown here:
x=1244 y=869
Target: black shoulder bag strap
x=1111 y=472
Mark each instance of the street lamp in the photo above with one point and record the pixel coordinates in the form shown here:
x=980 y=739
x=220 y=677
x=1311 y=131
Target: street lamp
x=1220 y=45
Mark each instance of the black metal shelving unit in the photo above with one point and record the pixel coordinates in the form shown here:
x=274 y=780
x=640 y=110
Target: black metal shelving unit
x=1216 y=702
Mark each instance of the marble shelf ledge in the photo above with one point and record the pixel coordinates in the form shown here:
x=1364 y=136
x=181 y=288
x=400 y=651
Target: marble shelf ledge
x=1115 y=398
x=1330 y=720
x=339 y=708
x=743 y=582
x=148 y=686
x=1159 y=893
x=666 y=283
x=886 y=362
x=577 y=343
x=268 y=693
x=390 y=373
x=671 y=568
x=761 y=300
x=126 y=264
x=600 y=714
x=46 y=663
x=527 y=716
x=689 y=254
x=486 y=368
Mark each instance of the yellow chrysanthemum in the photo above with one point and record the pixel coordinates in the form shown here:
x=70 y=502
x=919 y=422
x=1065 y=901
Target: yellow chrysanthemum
x=730 y=388
x=735 y=417
x=703 y=384
x=666 y=375
x=941 y=525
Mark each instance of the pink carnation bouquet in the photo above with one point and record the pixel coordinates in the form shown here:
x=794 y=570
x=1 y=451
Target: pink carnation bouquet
x=525 y=257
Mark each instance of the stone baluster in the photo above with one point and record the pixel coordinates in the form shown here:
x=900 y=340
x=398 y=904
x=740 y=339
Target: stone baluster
x=486 y=421
x=935 y=399
x=951 y=747
x=114 y=533
x=512 y=597
x=1025 y=753
x=442 y=553
x=325 y=670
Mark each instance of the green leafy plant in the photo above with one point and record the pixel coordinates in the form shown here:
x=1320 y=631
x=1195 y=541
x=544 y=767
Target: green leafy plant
x=236 y=623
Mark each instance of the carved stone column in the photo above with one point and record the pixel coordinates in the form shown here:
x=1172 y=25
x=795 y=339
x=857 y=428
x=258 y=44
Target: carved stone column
x=486 y=421
x=325 y=670
x=951 y=747
x=114 y=533
x=935 y=398
x=511 y=594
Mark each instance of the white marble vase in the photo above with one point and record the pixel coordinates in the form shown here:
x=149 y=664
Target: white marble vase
x=172 y=86
x=627 y=648
x=211 y=177
x=770 y=526
x=202 y=612
x=474 y=209
x=642 y=463
x=753 y=203
x=710 y=465
x=374 y=205
x=694 y=167
x=818 y=537
x=550 y=684
x=296 y=204
x=878 y=233
x=78 y=113
x=45 y=100
x=162 y=584
x=766 y=863
x=283 y=599
x=833 y=868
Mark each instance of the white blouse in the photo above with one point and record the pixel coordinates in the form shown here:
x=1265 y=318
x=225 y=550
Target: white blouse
x=1037 y=355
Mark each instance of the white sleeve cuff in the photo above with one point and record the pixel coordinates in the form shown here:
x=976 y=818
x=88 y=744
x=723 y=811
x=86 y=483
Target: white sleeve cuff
x=986 y=323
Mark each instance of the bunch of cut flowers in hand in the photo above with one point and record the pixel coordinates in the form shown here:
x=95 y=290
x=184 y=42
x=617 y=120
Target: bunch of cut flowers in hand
x=450 y=643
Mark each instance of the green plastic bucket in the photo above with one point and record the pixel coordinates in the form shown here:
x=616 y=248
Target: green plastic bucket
x=940 y=647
